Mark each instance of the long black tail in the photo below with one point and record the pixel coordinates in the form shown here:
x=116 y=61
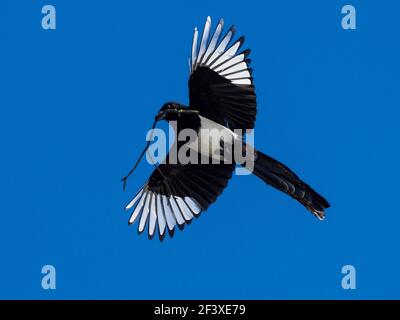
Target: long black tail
x=282 y=178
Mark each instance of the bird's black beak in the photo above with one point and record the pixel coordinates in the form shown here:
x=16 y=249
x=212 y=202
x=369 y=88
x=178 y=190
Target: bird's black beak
x=162 y=114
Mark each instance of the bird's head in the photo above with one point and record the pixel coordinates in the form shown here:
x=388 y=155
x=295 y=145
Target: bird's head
x=171 y=111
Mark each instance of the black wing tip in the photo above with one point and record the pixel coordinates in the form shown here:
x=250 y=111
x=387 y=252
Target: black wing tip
x=161 y=237
x=246 y=52
x=232 y=29
x=181 y=226
x=171 y=233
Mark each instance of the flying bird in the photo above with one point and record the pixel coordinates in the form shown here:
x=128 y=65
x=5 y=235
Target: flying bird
x=221 y=97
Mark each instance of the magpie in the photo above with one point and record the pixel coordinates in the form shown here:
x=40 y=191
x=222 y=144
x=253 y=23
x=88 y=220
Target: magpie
x=221 y=97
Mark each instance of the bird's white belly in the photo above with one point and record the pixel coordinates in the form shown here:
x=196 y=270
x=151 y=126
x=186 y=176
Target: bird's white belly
x=208 y=141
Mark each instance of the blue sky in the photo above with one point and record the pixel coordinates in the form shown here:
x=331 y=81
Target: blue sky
x=76 y=103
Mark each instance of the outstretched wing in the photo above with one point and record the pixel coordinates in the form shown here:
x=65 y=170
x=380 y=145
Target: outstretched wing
x=174 y=194
x=220 y=84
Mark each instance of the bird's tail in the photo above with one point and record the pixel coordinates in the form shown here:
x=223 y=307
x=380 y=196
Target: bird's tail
x=282 y=178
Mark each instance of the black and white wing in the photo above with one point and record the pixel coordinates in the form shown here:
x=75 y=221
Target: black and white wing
x=221 y=84
x=175 y=194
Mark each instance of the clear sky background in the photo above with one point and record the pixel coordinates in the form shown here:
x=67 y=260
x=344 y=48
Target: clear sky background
x=76 y=103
